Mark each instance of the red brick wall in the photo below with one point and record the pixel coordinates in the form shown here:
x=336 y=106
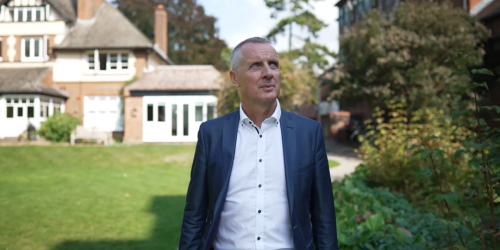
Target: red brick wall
x=133 y=119
x=140 y=62
x=17 y=57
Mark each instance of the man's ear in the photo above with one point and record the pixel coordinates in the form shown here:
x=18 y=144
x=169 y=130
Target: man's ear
x=232 y=75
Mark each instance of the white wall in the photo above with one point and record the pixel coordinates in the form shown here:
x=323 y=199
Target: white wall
x=57 y=28
x=73 y=67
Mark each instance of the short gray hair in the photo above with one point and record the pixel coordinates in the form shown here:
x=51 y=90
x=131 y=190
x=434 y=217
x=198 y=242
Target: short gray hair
x=236 y=54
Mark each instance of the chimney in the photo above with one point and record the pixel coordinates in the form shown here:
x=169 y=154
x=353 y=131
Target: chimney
x=86 y=9
x=161 y=21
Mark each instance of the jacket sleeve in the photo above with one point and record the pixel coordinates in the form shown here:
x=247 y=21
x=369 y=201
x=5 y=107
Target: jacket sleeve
x=195 y=211
x=322 y=206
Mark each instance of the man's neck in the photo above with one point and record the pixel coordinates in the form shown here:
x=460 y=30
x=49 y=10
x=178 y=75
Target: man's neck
x=258 y=113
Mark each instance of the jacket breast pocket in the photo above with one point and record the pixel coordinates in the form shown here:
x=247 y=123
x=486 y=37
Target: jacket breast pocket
x=304 y=168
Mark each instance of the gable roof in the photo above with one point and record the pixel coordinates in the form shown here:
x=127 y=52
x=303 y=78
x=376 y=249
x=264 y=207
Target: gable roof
x=66 y=8
x=179 y=78
x=27 y=80
x=108 y=29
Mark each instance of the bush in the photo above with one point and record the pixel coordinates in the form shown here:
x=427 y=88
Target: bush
x=58 y=127
x=375 y=218
x=391 y=162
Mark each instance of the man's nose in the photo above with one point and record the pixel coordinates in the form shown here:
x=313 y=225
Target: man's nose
x=267 y=72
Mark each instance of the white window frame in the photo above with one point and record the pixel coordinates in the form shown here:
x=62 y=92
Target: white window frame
x=25 y=10
x=22 y=105
x=119 y=64
x=42 y=49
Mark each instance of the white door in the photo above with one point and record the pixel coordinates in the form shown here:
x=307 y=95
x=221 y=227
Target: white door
x=103 y=112
x=175 y=118
x=18 y=113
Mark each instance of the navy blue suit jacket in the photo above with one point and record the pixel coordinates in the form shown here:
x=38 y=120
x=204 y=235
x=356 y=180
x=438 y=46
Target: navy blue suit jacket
x=309 y=190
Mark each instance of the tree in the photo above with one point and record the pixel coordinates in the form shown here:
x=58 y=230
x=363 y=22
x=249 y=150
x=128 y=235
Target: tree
x=311 y=55
x=409 y=56
x=192 y=35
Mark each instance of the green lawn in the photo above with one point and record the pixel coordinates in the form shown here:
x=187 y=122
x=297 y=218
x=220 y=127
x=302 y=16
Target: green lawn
x=332 y=163
x=86 y=198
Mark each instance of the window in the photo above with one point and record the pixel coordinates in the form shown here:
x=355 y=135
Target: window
x=20 y=107
x=150 y=112
x=210 y=111
x=107 y=61
x=44 y=107
x=174 y=119
x=31 y=112
x=32 y=48
x=161 y=112
x=186 y=119
x=19 y=111
x=198 y=112
x=91 y=60
x=10 y=112
x=24 y=14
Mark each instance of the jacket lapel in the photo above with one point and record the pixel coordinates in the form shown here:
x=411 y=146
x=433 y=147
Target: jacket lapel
x=289 y=148
x=229 y=134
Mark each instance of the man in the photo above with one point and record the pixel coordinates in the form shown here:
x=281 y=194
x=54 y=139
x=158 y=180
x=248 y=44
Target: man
x=260 y=177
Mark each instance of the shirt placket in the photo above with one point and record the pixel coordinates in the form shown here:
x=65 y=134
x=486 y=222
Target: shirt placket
x=261 y=187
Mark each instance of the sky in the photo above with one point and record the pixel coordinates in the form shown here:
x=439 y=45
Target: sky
x=241 y=19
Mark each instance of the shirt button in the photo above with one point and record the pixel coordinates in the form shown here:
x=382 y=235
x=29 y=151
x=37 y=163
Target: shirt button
x=260 y=160
x=258 y=238
x=259 y=211
x=260 y=136
x=260 y=185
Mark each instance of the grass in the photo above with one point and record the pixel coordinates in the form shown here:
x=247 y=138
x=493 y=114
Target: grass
x=93 y=197
x=333 y=163
x=123 y=197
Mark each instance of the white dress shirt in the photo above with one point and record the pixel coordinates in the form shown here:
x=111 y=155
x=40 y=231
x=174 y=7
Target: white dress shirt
x=255 y=213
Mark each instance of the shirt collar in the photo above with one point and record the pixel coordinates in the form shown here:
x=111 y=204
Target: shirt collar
x=275 y=117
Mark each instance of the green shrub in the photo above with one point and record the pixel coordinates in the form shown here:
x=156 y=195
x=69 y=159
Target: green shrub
x=58 y=127
x=375 y=218
x=391 y=162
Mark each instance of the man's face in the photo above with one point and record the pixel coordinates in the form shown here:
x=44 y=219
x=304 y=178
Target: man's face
x=258 y=75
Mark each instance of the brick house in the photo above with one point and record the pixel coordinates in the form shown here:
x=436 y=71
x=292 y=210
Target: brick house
x=352 y=11
x=80 y=54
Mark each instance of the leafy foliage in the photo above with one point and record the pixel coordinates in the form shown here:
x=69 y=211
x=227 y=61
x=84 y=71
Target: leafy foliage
x=313 y=56
x=375 y=218
x=389 y=160
x=409 y=56
x=450 y=161
x=192 y=35
x=58 y=127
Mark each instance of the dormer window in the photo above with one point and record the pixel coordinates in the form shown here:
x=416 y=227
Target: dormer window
x=99 y=61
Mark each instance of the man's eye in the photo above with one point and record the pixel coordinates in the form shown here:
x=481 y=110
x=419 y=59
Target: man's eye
x=273 y=64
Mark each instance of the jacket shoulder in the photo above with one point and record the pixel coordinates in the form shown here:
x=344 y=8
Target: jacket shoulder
x=218 y=122
x=300 y=120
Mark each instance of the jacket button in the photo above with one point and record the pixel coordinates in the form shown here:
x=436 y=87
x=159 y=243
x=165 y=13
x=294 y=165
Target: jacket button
x=259 y=211
x=258 y=238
